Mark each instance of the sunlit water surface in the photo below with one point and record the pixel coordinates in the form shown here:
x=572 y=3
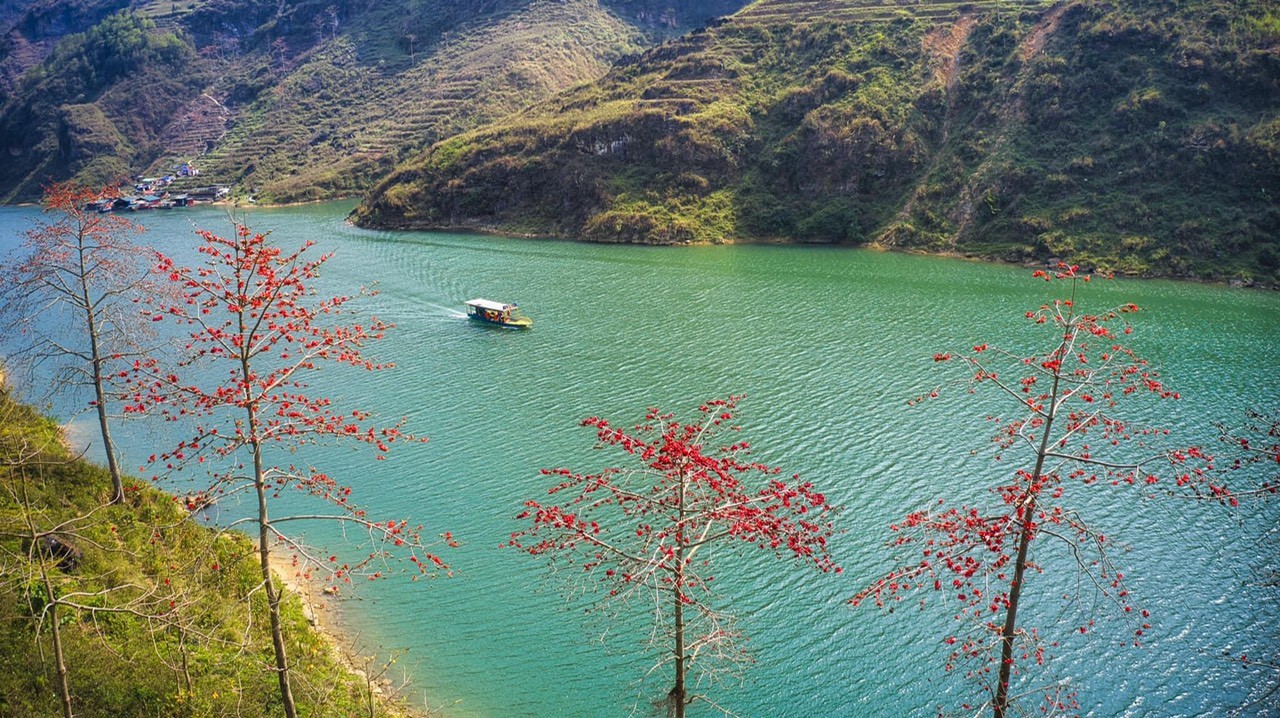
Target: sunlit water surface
x=828 y=345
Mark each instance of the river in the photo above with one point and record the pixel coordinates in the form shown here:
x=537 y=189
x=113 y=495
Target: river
x=828 y=344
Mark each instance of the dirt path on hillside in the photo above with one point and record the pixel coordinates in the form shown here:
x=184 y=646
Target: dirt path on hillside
x=945 y=44
x=1033 y=43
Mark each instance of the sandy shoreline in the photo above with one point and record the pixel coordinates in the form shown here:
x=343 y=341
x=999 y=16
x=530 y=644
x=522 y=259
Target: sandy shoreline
x=318 y=609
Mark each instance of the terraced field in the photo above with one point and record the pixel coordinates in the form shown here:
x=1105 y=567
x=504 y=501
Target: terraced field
x=341 y=118
x=797 y=12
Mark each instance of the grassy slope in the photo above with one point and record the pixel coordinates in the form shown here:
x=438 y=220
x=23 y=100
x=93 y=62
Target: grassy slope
x=121 y=665
x=1137 y=136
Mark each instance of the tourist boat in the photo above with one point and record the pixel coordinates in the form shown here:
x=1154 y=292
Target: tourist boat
x=490 y=312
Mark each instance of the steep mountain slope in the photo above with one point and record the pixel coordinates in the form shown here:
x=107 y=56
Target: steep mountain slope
x=288 y=99
x=1141 y=136
x=92 y=106
x=29 y=29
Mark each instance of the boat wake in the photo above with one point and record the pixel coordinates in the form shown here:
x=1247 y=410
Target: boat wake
x=449 y=311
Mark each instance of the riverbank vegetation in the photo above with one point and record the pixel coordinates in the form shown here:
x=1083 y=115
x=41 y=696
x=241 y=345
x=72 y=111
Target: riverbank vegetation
x=156 y=613
x=1137 y=138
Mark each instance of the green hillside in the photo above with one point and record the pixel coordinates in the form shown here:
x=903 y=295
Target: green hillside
x=171 y=619
x=292 y=100
x=1141 y=137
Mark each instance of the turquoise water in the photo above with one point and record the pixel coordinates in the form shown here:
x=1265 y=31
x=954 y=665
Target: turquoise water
x=827 y=344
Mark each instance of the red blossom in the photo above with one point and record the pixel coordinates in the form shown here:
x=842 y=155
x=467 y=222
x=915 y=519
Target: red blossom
x=1066 y=419
x=251 y=309
x=643 y=526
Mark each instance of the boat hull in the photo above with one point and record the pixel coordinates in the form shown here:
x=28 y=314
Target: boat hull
x=520 y=323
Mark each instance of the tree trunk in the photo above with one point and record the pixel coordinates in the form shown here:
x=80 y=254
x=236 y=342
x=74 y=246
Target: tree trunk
x=64 y=685
x=677 y=698
x=55 y=631
x=117 y=481
x=1001 y=704
x=186 y=670
x=264 y=541
x=273 y=596
x=99 y=392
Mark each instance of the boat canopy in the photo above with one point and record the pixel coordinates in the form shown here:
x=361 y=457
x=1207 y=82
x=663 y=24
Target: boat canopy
x=489 y=305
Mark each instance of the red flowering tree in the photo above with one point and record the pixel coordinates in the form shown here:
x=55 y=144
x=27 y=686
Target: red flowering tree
x=255 y=331
x=647 y=530
x=1246 y=463
x=1068 y=432
x=1242 y=475
x=70 y=294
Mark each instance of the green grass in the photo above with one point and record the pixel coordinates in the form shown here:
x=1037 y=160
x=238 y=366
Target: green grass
x=149 y=553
